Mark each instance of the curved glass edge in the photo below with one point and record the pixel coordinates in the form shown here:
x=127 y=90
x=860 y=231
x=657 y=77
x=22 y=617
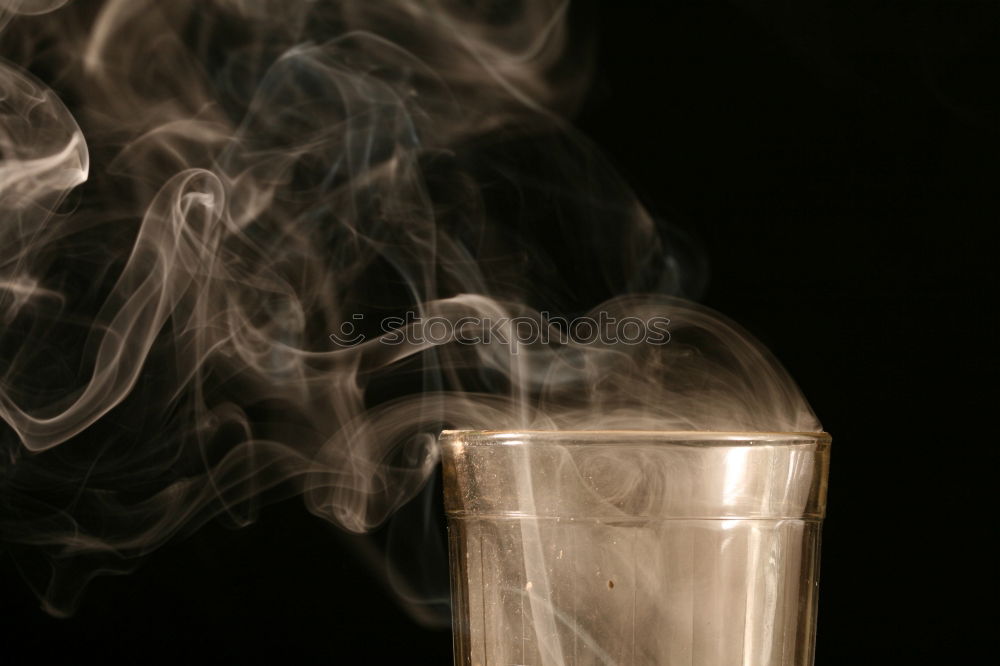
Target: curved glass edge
x=639 y=519
x=677 y=437
x=462 y=463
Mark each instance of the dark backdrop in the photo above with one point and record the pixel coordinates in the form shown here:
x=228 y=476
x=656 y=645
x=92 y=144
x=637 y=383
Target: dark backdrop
x=837 y=164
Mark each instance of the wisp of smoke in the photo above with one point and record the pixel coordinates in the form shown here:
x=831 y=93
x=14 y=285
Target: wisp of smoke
x=194 y=196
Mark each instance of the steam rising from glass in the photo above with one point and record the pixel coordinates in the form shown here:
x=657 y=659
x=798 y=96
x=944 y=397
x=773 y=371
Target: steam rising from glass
x=195 y=195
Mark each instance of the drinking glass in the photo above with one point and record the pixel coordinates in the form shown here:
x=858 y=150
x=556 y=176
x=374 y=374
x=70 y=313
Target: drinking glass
x=571 y=548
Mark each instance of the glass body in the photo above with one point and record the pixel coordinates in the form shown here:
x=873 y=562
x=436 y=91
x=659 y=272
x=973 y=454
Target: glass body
x=634 y=547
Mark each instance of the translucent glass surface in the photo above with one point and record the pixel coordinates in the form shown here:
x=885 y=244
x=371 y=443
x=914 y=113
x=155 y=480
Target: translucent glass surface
x=634 y=547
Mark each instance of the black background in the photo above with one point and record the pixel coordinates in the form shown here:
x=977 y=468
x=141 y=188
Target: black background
x=837 y=163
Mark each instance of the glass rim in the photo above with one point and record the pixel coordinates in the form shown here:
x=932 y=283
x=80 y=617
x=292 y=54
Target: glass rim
x=724 y=437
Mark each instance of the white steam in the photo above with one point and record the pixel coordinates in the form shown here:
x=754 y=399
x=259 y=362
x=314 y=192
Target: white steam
x=239 y=179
